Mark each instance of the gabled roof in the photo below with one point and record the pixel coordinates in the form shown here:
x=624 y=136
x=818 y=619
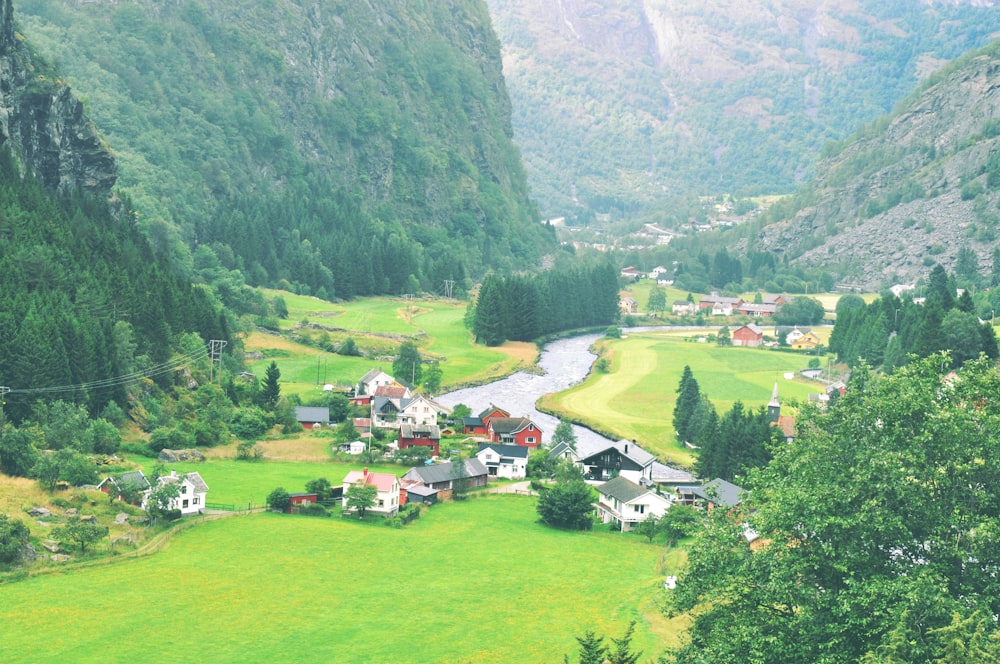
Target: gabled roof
x=133 y=478
x=430 y=431
x=384 y=405
x=509 y=424
x=193 y=478
x=720 y=491
x=381 y=481
x=406 y=403
x=560 y=449
x=391 y=391
x=493 y=409
x=516 y=451
x=442 y=472
x=312 y=414
x=752 y=328
x=472 y=421
x=622 y=489
x=629 y=450
x=372 y=375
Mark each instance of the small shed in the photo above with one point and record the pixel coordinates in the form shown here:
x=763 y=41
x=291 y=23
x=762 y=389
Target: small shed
x=421 y=494
x=311 y=417
x=298 y=499
x=357 y=447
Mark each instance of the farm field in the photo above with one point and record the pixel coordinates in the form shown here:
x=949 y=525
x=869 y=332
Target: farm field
x=378 y=325
x=635 y=399
x=479 y=581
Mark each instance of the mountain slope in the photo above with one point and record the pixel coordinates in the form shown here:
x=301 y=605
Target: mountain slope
x=917 y=187
x=621 y=105
x=344 y=147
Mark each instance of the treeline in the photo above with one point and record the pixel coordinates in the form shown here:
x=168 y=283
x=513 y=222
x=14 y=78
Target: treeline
x=83 y=299
x=729 y=445
x=524 y=308
x=887 y=331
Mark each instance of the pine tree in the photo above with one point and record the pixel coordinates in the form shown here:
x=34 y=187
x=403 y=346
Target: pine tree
x=270 y=391
x=687 y=400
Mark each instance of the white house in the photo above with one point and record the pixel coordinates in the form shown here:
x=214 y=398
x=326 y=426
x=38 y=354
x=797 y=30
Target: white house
x=420 y=411
x=386 y=487
x=191 y=496
x=626 y=504
x=373 y=380
x=509 y=461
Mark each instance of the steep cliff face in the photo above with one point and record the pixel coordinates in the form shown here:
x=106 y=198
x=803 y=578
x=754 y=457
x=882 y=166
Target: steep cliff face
x=44 y=124
x=910 y=190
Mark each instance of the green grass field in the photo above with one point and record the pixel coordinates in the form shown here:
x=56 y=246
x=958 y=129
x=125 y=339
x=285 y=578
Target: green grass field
x=479 y=581
x=241 y=482
x=635 y=399
x=379 y=325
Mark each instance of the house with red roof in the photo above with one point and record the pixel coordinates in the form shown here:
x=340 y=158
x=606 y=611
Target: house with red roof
x=387 y=498
x=477 y=426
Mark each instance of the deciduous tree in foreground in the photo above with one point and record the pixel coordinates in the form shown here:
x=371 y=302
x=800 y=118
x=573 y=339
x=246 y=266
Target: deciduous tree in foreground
x=879 y=532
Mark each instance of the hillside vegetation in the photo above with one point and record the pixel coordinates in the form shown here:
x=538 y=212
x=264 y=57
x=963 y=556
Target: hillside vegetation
x=335 y=148
x=622 y=105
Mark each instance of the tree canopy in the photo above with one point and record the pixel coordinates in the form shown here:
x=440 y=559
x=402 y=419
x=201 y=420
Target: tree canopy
x=877 y=531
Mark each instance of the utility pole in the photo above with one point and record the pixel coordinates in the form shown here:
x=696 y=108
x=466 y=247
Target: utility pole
x=449 y=285
x=215 y=347
x=3 y=396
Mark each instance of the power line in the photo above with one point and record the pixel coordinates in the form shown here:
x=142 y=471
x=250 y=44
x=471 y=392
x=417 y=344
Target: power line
x=149 y=372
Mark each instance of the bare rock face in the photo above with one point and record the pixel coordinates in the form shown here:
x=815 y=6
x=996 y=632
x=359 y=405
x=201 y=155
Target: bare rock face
x=44 y=124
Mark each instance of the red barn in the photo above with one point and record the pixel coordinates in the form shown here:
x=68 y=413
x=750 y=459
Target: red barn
x=748 y=335
x=477 y=426
x=298 y=499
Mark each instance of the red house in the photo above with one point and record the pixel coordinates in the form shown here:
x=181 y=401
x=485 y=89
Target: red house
x=514 y=431
x=420 y=435
x=748 y=335
x=477 y=426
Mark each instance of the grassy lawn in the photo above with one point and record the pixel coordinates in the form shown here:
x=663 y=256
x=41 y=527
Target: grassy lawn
x=378 y=325
x=635 y=399
x=241 y=482
x=479 y=581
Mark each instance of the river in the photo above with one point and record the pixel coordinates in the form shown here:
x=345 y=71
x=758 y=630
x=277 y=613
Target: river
x=564 y=363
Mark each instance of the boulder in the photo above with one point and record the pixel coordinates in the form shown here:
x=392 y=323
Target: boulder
x=174 y=456
x=72 y=511
x=40 y=511
x=88 y=518
x=51 y=545
x=60 y=558
x=121 y=518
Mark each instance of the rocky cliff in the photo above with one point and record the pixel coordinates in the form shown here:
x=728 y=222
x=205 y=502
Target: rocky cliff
x=44 y=124
x=910 y=190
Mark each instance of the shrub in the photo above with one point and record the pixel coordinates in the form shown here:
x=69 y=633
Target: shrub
x=140 y=449
x=313 y=509
x=172 y=515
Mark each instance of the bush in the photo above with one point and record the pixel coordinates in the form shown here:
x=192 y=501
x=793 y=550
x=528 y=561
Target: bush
x=172 y=515
x=313 y=509
x=140 y=449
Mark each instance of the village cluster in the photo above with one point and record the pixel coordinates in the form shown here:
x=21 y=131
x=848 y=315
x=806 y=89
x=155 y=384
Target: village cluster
x=631 y=484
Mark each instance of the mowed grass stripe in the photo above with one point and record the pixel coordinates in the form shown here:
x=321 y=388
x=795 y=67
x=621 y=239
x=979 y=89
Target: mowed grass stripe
x=635 y=400
x=474 y=582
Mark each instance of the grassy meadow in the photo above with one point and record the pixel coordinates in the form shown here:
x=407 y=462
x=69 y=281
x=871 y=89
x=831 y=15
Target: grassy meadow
x=377 y=325
x=635 y=399
x=479 y=581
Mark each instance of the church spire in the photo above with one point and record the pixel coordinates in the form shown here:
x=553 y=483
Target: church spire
x=774 y=406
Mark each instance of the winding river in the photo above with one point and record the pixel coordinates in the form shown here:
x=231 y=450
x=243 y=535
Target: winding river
x=564 y=363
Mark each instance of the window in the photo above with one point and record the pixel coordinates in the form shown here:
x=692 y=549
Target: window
x=641 y=509
x=529 y=439
x=381 y=503
x=185 y=503
x=184 y=488
x=196 y=500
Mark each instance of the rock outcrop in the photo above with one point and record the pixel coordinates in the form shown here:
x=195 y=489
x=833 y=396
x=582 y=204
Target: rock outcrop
x=44 y=124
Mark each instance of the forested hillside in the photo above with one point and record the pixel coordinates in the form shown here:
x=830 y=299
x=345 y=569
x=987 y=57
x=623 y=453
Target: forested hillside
x=622 y=106
x=86 y=309
x=336 y=148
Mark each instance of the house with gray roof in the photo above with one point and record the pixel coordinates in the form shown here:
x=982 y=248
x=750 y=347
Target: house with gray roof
x=508 y=461
x=626 y=504
x=623 y=458
x=192 y=492
x=441 y=475
x=718 y=492
x=312 y=417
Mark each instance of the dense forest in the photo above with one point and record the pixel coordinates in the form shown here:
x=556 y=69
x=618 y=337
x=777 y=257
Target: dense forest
x=337 y=149
x=887 y=331
x=527 y=307
x=86 y=308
